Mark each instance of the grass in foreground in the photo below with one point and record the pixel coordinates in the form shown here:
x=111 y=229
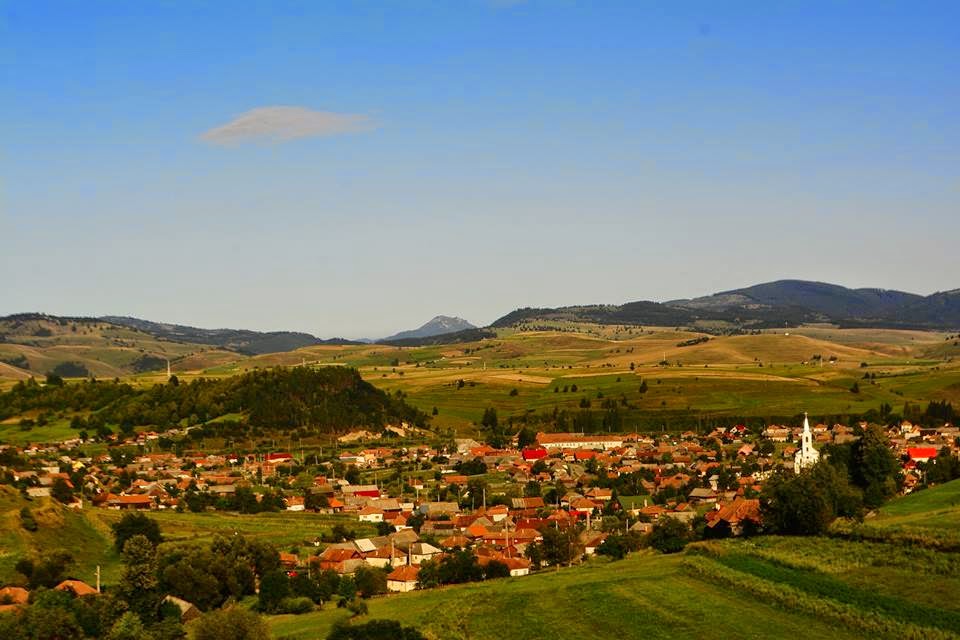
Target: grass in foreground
x=644 y=596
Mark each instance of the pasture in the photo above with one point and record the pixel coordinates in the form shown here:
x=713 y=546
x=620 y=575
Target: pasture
x=764 y=587
x=655 y=377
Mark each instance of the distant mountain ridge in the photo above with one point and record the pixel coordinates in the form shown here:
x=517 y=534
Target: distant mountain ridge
x=242 y=341
x=767 y=305
x=437 y=326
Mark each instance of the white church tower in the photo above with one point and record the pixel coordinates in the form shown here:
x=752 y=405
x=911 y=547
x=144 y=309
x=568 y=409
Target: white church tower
x=806 y=455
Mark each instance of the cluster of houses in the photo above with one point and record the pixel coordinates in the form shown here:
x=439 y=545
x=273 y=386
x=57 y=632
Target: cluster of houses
x=717 y=475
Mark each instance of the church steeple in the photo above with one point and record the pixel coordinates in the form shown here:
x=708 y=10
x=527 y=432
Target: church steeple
x=806 y=455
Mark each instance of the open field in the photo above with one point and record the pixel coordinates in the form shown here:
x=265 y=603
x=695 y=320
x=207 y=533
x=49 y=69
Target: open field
x=827 y=588
x=34 y=347
x=769 y=375
x=640 y=597
x=934 y=508
x=283 y=529
x=56 y=430
x=89 y=541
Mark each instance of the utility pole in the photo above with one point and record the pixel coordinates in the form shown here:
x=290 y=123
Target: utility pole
x=98 y=578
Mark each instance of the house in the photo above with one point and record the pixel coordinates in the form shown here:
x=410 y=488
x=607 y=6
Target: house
x=702 y=494
x=527 y=503
x=517 y=566
x=921 y=454
x=403 y=579
x=139 y=501
x=591 y=543
x=340 y=559
x=420 y=552
x=187 y=610
x=735 y=516
x=77 y=587
x=371 y=514
x=577 y=441
x=454 y=542
x=388 y=556
x=534 y=453
x=12 y=598
x=599 y=493
x=289 y=560
x=777 y=434
x=365 y=491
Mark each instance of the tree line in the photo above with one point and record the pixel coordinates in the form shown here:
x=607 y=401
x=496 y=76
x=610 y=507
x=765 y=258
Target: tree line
x=332 y=399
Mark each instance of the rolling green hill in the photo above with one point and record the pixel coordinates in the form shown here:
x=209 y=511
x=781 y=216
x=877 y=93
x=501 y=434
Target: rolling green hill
x=760 y=588
x=936 y=508
x=771 y=374
x=35 y=345
x=88 y=541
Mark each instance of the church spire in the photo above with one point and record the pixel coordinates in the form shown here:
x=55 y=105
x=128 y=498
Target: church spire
x=807 y=455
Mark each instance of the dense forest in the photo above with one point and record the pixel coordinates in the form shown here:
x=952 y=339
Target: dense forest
x=332 y=399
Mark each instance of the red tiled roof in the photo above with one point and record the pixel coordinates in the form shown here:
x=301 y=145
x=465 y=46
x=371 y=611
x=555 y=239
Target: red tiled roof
x=406 y=573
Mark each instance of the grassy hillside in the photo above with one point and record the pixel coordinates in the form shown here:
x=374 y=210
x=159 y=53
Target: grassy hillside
x=640 y=597
x=767 y=374
x=87 y=535
x=935 y=508
x=285 y=530
x=766 y=587
x=35 y=345
x=88 y=540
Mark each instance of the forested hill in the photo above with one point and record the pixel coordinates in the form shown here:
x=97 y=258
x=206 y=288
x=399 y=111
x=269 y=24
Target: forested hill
x=773 y=304
x=328 y=400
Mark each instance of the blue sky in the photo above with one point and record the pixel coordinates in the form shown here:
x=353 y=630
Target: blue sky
x=467 y=157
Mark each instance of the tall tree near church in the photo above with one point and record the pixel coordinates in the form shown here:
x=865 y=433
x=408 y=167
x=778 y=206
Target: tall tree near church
x=874 y=468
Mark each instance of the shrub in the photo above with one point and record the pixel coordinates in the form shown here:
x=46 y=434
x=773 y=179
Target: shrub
x=374 y=630
x=232 y=623
x=669 y=535
x=295 y=606
x=27 y=521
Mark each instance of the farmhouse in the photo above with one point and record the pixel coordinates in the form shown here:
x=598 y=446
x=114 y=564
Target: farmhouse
x=403 y=579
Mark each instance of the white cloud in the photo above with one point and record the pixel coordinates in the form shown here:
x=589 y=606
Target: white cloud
x=281 y=124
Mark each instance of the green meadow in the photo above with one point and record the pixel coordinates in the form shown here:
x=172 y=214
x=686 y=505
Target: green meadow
x=768 y=375
x=761 y=588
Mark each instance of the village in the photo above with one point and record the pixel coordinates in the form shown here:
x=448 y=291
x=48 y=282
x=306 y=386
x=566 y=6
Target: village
x=428 y=502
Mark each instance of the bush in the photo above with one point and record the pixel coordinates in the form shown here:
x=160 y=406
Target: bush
x=374 y=630
x=132 y=524
x=27 y=521
x=232 y=623
x=295 y=606
x=357 y=608
x=669 y=535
